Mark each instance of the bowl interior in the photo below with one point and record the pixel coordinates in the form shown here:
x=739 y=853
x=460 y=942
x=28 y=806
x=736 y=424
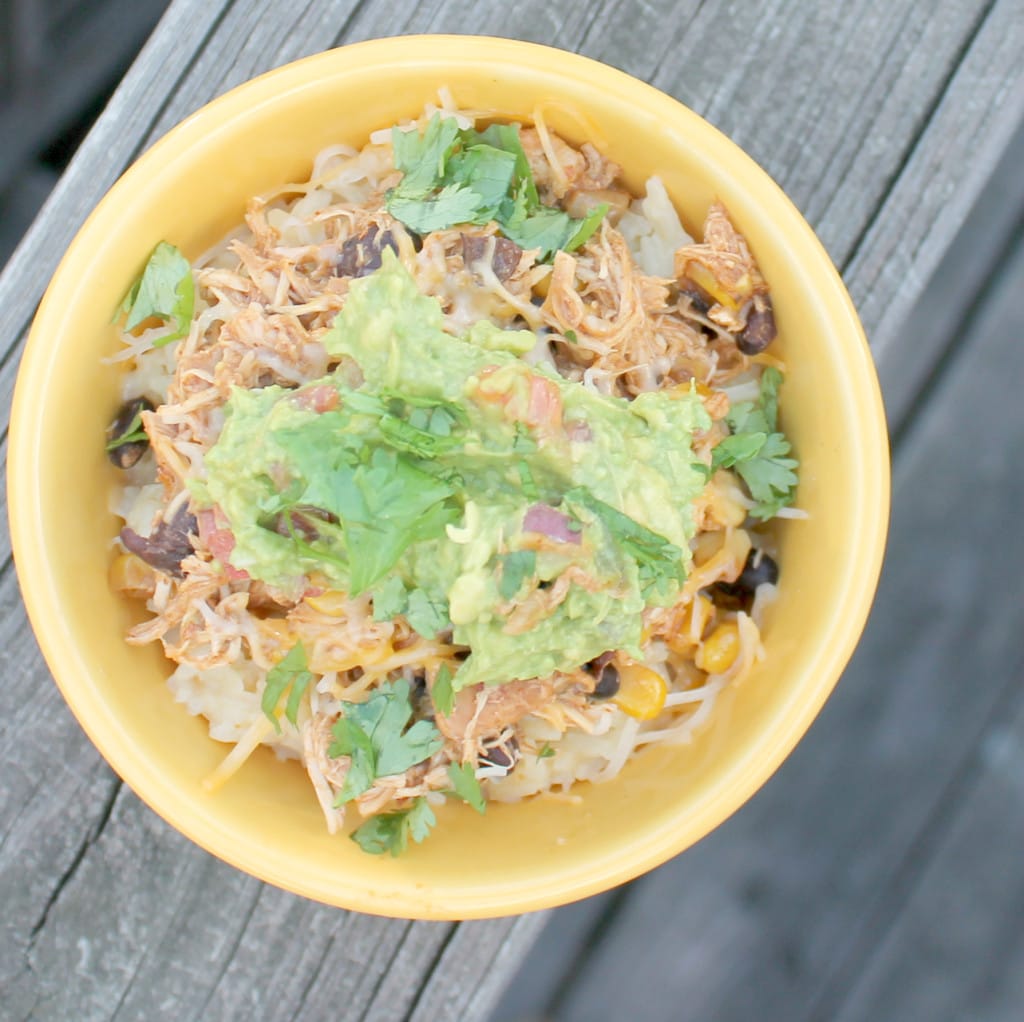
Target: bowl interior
x=190 y=189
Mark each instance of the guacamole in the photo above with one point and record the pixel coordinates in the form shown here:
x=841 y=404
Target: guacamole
x=462 y=487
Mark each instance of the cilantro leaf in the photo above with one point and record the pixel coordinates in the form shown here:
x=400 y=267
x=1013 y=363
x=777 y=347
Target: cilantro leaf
x=427 y=441
x=441 y=692
x=455 y=177
x=467 y=787
x=489 y=172
x=738 y=447
x=390 y=832
x=660 y=561
x=165 y=290
x=453 y=204
x=546 y=752
x=290 y=672
x=132 y=435
x=426 y=613
x=516 y=568
x=770 y=477
x=757 y=452
x=389 y=599
x=422 y=157
x=526 y=480
x=373 y=735
x=587 y=226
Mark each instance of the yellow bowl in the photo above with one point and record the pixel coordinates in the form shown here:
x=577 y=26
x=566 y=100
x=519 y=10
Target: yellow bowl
x=190 y=188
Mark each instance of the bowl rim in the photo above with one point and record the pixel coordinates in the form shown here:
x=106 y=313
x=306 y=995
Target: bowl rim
x=757 y=762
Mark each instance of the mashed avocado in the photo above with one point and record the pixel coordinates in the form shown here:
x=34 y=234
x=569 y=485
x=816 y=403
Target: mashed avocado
x=463 y=488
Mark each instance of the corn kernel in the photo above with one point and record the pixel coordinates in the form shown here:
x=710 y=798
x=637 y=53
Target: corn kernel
x=641 y=691
x=132 y=576
x=333 y=603
x=720 y=650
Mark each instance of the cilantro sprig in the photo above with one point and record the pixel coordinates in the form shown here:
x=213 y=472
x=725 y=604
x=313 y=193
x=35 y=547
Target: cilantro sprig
x=758 y=452
x=660 y=562
x=442 y=694
x=290 y=674
x=452 y=176
x=376 y=737
x=165 y=290
x=391 y=832
x=132 y=435
x=426 y=612
x=517 y=567
x=466 y=786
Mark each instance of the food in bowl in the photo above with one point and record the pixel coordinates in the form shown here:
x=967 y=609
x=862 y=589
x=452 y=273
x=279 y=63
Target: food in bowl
x=443 y=473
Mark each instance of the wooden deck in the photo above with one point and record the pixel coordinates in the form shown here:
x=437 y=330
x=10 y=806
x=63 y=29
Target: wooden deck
x=878 y=874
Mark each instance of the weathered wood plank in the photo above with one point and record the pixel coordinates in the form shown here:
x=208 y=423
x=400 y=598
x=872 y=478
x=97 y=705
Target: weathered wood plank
x=780 y=910
x=956 y=950
x=971 y=125
x=958 y=289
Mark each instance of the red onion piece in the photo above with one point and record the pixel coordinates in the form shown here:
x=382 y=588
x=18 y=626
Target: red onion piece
x=551 y=523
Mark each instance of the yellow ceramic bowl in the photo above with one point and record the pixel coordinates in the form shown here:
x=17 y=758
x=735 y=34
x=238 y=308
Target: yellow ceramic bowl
x=190 y=188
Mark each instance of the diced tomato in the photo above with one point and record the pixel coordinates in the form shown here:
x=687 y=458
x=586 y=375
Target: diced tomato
x=321 y=398
x=218 y=538
x=545 y=404
x=524 y=396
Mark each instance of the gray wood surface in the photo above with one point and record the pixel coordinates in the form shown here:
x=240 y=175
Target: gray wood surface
x=882 y=120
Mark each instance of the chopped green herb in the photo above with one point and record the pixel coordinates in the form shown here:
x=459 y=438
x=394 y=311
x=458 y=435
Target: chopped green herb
x=467 y=787
x=427 y=613
x=521 y=439
x=132 y=435
x=587 y=226
x=385 y=500
x=526 y=480
x=390 y=832
x=292 y=672
x=516 y=568
x=660 y=561
x=570 y=336
x=546 y=752
x=389 y=599
x=441 y=692
x=757 y=452
x=373 y=735
x=165 y=290
x=452 y=177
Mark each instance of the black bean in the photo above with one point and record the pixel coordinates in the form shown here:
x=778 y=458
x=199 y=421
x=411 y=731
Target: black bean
x=167 y=545
x=700 y=300
x=122 y=452
x=758 y=569
x=504 y=258
x=504 y=756
x=362 y=255
x=760 y=329
x=607 y=682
